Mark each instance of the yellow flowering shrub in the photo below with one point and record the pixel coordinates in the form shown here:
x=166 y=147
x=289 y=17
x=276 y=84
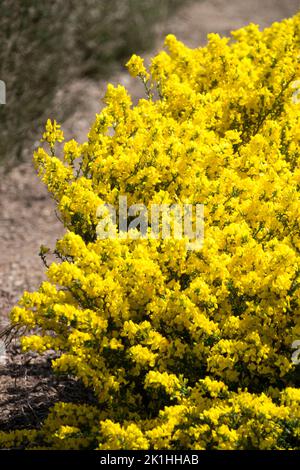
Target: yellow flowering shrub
x=181 y=348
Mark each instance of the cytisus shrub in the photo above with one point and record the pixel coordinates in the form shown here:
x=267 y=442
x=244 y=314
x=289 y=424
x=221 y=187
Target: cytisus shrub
x=181 y=348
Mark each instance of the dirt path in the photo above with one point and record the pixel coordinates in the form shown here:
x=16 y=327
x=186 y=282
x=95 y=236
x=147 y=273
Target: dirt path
x=27 y=217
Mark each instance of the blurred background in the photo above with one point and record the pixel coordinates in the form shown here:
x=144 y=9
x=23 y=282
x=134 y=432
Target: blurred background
x=47 y=44
x=56 y=58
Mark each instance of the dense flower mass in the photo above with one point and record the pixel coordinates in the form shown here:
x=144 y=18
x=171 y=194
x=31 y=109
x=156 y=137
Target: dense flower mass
x=182 y=349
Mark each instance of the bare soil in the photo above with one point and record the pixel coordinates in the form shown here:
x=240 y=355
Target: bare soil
x=27 y=215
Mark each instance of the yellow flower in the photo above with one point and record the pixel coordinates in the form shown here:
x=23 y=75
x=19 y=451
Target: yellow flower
x=52 y=133
x=136 y=67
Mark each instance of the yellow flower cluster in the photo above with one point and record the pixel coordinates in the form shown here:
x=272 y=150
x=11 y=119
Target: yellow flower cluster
x=136 y=67
x=182 y=349
x=52 y=134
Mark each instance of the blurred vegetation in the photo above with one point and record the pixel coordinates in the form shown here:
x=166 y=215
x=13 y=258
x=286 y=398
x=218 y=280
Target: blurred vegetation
x=43 y=45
